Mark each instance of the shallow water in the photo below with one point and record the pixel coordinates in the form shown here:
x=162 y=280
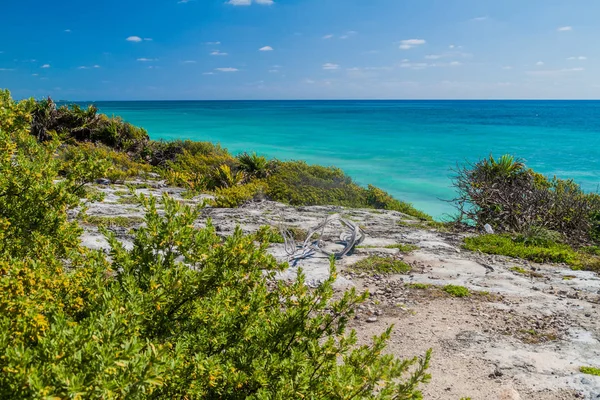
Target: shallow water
x=408 y=148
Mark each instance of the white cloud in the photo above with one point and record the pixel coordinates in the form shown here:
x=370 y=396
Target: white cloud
x=189 y=62
x=410 y=43
x=6 y=69
x=266 y=48
x=348 y=34
x=274 y=71
x=135 y=39
x=35 y=74
x=212 y=43
x=434 y=57
x=539 y=63
x=228 y=69
x=208 y=73
x=328 y=36
x=414 y=65
x=330 y=66
x=67 y=31
x=218 y=53
x=565 y=28
x=422 y=65
x=147 y=39
x=580 y=58
x=478 y=19
x=265 y=2
x=96 y=66
x=45 y=66
x=555 y=72
x=146 y=59
x=507 y=67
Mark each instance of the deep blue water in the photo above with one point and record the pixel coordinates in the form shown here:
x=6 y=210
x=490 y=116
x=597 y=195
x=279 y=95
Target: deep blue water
x=405 y=147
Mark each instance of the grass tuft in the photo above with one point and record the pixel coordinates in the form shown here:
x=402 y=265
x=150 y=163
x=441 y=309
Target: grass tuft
x=404 y=248
x=381 y=265
x=506 y=245
x=456 y=291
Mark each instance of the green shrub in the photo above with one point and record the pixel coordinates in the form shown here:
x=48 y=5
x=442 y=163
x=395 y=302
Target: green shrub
x=183 y=314
x=254 y=166
x=73 y=123
x=268 y=234
x=118 y=166
x=237 y=195
x=456 y=291
x=381 y=265
x=150 y=326
x=33 y=200
x=514 y=199
x=298 y=183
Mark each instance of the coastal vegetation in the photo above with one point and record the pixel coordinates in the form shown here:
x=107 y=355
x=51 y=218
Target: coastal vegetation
x=184 y=313
x=534 y=217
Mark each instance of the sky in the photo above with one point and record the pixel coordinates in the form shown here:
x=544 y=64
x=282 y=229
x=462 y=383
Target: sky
x=300 y=49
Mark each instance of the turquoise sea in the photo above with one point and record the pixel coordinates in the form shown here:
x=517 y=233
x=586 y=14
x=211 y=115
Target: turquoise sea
x=408 y=148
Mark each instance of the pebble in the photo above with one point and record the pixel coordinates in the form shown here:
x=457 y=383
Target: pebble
x=371 y=319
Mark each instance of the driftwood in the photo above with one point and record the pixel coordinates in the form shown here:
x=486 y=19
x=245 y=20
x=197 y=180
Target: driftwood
x=351 y=237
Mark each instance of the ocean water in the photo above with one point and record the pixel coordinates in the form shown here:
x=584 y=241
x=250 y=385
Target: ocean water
x=408 y=148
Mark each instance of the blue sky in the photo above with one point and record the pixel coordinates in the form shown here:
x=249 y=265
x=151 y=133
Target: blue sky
x=300 y=49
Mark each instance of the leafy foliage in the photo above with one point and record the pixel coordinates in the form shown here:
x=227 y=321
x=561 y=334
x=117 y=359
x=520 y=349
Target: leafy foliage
x=182 y=314
x=456 y=291
x=381 y=265
x=512 y=198
x=254 y=166
x=520 y=247
x=84 y=125
x=235 y=196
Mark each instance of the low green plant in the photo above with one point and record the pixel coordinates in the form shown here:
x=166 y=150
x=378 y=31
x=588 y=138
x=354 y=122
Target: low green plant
x=235 y=196
x=254 y=166
x=517 y=247
x=268 y=234
x=419 y=286
x=590 y=371
x=185 y=314
x=128 y=200
x=456 y=291
x=404 y=248
x=381 y=265
x=523 y=271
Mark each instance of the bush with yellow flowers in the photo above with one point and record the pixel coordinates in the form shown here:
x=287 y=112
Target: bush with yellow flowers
x=183 y=314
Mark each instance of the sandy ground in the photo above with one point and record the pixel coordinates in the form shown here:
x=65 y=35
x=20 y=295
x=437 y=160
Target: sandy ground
x=517 y=337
